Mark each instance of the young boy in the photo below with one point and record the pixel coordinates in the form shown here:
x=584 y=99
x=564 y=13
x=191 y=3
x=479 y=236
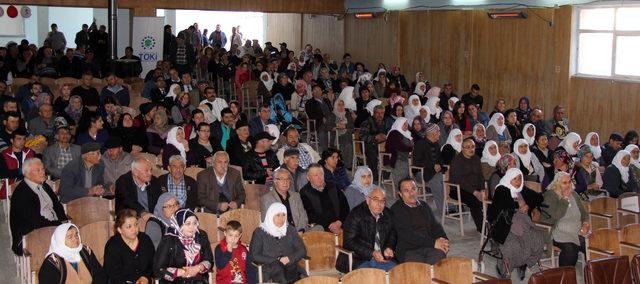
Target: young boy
x=231 y=256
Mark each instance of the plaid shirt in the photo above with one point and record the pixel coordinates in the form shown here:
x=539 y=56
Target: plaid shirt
x=64 y=158
x=181 y=55
x=179 y=190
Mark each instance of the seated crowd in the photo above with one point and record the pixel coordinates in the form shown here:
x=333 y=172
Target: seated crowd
x=63 y=134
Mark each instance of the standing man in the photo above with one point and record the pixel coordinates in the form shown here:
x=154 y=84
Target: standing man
x=169 y=47
x=57 y=40
x=218 y=37
x=373 y=131
x=82 y=37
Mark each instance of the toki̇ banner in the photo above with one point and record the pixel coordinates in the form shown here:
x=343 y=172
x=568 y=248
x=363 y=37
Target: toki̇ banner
x=147 y=41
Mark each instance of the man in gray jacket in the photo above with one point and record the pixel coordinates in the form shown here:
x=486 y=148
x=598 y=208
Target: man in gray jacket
x=220 y=187
x=57 y=40
x=83 y=177
x=60 y=153
x=116 y=161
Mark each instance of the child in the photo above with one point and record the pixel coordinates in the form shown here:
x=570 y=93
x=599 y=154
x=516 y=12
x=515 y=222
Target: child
x=231 y=257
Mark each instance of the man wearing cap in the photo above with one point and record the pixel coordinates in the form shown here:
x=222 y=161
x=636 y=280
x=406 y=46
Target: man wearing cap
x=13 y=158
x=307 y=154
x=292 y=165
x=259 y=163
x=426 y=154
x=116 y=161
x=85 y=176
x=373 y=131
x=283 y=49
x=239 y=144
x=59 y=154
x=220 y=187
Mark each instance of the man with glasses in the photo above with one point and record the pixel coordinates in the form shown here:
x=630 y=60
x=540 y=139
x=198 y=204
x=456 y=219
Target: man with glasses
x=370 y=234
x=85 y=176
x=220 y=187
x=466 y=171
x=420 y=237
x=296 y=215
x=184 y=188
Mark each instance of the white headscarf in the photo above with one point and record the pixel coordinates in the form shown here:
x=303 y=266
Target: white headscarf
x=269 y=227
x=171 y=93
x=418 y=76
x=377 y=78
x=617 y=162
x=366 y=76
x=434 y=104
x=434 y=92
x=486 y=155
x=451 y=140
x=417 y=89
x=372 y=104
x=629 y=148
x=494 y=122
x=530 y=139
x=347 y=97
x=595 y=149
x=568 y=141
x=273 y=130
x=357 y=180
x=173 y=140
x=508 y=177
x=411 y=110
x=397 y=126
x=524 y=158
x=268 y=83
x=428 y=118
x=454 y=100
x=60 y=248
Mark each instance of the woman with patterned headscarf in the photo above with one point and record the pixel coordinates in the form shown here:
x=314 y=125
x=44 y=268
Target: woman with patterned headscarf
x=589 y=168
x=563 y=162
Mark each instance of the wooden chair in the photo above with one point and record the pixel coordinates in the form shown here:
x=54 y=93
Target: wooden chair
x=635 y=268
x=382 y=169
x=486 y=201
x=318 y=279
x=603 y=213
x=156 y=172
x=250 y=220
x=628 y=213
x=95 y=236
x=560 y=275
x=35 y=247
x=19 y=82
x=630 y=240
x=601 y=243
x=456 y=269
x=86 y=210
x=359 y=157
x=423 y=189
x=613 y=269
x=312 y=134
x=209 y=223
x=150 y=157
x=192 y=172
x=365 y=275
x=535 y=186
x=250 y=100
x=410 y=272
x=322 y=253
x=494 y=281
x=136 y=101
x=7 y=201
x=448 y=186
x=253 y=192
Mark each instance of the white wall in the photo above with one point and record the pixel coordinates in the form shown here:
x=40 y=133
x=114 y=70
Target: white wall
x=30 y=27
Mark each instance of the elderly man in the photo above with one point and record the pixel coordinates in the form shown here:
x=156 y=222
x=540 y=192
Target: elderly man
x=467 y=172
x=325 y=205
x=427 y=155
x=373 y=131
x=184 y=188
x=307 y=154
x=43 y=123
x=296 y=215
x=369 y=232
x=33 y=204
x=136 y=189
x=220 y=187
x=83 y=177
x=259 y=163
x=13 y=157
x=116 y=161
x=420 y=237
x=115 y=90
x=58 y=155
x=292 y=165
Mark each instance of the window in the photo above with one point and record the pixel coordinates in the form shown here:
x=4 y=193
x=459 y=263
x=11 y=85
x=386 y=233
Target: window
x=607 y=42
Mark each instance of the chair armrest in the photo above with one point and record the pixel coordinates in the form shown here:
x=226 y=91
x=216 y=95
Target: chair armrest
x=446 y=183
x=481 y=276
x=259 y=266
x=629 y=245
x=348 y=253
x=543 y=225
x=626 y=211
x=438 y=281
x=600 y=215
x=601 y=251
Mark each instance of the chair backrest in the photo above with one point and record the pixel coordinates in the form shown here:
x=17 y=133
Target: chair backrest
x=249 y=219
x=559 y=275
x=136 y=101
x=237 y=168
x=87 y=210
x=454 y=270
x=95 y=236
x=192 y=172
x=630 y=234
x=209 y=223
x=603 y=205
x=535 y=186
x=628 y=201
x=37 y=243
x=317 y=279
x=410 y=272
x=608 y=270
x=365 y=275
x=604 y=239
x=253 y=192
x=150 y=157
x=251 y=88
x=320 y=249
x=635 y=268
x=156 y=172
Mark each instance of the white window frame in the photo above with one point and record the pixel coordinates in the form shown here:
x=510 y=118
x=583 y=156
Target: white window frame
x=576 y=42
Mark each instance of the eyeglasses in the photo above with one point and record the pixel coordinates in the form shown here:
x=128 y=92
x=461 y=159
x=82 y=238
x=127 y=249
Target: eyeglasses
x=378 y=200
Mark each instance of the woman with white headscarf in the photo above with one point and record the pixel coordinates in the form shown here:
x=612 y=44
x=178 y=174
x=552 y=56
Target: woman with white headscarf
x=593 y=140
x=634 y=167
x=399 y=144
x=360 y=187
x=521 y=241
x=177 y=144
x=361 y=105
x=347 y=97
x=489 y=159
x=452 y=147
x=496 y=130
x=433 y=92
x=529 y=133
x=265 y=85
x=69 y=261
x=420 y=90
x=413 y=108
x=344 y=119
x=372 y=104
x=425 y=114
x=617 y=177
x=452 y=102
x=433 y=103
x=278 y=247
x=571 y=143
x=479 y=136
x=529 y=164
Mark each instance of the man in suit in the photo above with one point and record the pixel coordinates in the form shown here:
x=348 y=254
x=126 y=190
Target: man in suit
x=296 y=215
x=136 y=189
x=176 y=183
x=85 y=176
x=60 y=153
x=220 y=187
x=33 y=204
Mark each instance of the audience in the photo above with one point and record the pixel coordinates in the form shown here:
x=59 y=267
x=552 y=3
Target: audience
x=183 y=187
x=334 y=169
x=399 y=143
x=85 y=176
x=13 y=158
x=373 y=131
x=360 y=187
x=611 y=148
x=259 y=163
x=232 y=259
x=116 y=161
x=281 y=193
x=292 y=165
x=307 y=154
x=617 y=177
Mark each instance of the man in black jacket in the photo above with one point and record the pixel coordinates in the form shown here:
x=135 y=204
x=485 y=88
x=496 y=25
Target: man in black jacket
x=259 y=163
x=420 y=237
x=325 y=204
x=318 y=109
x=137 y=189
x=426 y=154
x=370 y=234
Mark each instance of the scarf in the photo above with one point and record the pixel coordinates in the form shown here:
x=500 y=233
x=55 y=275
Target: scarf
x=157 y=211
x=451 y=140
x=191 y=246
x=492 y=160
x=347 y=97
x=494 y=122
x=568 y=141
x=417 y=90
x=434 y=103
x=617 y=162
x=341 y=116
x=172 y=138
x=357 y=180
x=452 y=102
x=475 y=136
x=526 y=157
x=630 y=148
x=434 y=92
x=595 y=149
x=273 y=130
x=397 y=126
x=503 y=163
x=75 y=114
x=60 y=248
x=510 y=176
x=267 y=83
x=372 y=104
x=529 y=139
x=269 y=227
